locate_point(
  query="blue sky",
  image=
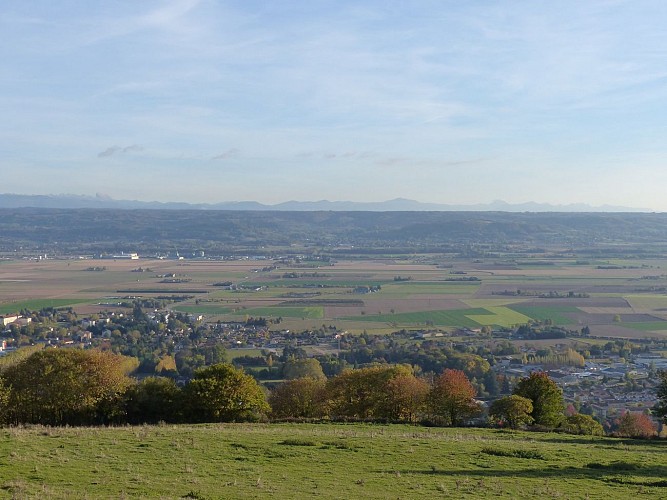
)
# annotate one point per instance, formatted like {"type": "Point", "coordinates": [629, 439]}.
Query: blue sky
{"type": "Point", "coordinates": [438, 101]}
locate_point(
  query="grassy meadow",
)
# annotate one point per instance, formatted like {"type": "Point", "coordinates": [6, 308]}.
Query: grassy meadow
{"type": "Point", "coordinates": [323, 461]}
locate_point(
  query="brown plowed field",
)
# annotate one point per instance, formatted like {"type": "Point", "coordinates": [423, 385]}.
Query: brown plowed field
{"type": "Point", "coordinates": [622, 333]}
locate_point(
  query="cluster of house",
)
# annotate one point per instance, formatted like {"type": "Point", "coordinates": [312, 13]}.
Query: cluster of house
{"type": "Point", "coordinates": [608, 389]}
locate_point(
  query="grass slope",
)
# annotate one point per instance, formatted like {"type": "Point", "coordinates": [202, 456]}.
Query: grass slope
{"type": "Point", "coordinates": [324, 461]}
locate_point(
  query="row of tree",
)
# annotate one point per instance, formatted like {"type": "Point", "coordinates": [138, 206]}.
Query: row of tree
{"type": "Point", "coordinates": [84, 387]}
{"type": "Point", "coordinates": [77, 387]}
{"type": "Point", "coordinates": [378, 393]}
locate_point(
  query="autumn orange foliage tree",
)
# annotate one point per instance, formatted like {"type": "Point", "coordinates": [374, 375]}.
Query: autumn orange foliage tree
{"type": "Point", "coordinates": [635, 425]}
{"type": "Point", "coordinates": [406, 397]}
{"type": "Point", "coordinates": [452, 398]}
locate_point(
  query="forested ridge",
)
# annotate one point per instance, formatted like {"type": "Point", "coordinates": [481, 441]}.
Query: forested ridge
{"type": "Point", "coordinates": [152, 230]}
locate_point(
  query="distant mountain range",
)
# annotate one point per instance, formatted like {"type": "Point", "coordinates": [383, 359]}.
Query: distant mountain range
{"type": "Point", "coordinates": [396, 205]}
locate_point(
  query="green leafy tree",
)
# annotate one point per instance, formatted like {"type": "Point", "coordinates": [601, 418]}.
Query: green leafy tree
{"type": "Point", "coordinates": [299, 398]}
{"type": "Point", "coordinates": [222, 393]}
{"type": "Point", "coordinates": [472, 365]}
{"type": "Point", "coordinates": [214, 354]}
{"type": "Point", "coordinates": [15, 357]}
{"type": "Point", "coordinates": [546, 396]}
{"type": "Point", "coordinates": [67, 386]}
{"type": "Point", "coordinates": [300, 368]}
{"type": "Point", "coordinates": [452, 398]}
{"type": "Point", "coordinates": [661, 407]}
{"type": "Point", "coordinates": [582, 424]}
{"type": "Point", "coordinates": [361, 394]}
{"type": "Point", "coordinates": [5, 391]}
{"type": "Point", "coordinates": [491, 383]}
{"type": "Point", "coordinates": [152, 400]}
{"type": "Point", "coordinates": [513, 411]}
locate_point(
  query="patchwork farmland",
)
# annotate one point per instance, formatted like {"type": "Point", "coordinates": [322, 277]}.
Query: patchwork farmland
{"type": "Point", "coordinates": [375, 295]}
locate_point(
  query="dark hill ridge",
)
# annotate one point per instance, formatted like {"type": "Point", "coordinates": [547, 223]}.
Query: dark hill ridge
{"type": "Point", "coordinates": [79, 230]}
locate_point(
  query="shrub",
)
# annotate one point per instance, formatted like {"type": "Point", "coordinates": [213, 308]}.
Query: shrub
{"type": "Point", "coordinates": [222, 393]}
{"type": "Point", "coordinates": [582, 424]}
{"type": "Point", "coordinates": [635, 425]}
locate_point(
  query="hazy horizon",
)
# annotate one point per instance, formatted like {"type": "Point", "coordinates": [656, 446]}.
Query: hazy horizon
{"type": "Point", "coordinates": [70, 200]}
{"type": "Point", "coordinates": [201, 101]}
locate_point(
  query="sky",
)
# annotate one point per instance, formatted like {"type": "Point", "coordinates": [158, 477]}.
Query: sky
{"type": "Point", "coordinates": [442, 101]}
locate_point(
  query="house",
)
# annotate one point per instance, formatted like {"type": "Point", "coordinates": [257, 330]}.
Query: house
{"type": "Point", "coordinates": [8, 320]}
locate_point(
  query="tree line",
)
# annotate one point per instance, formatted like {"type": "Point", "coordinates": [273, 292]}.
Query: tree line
{"type": "Point", "coordinates": [91, 387]}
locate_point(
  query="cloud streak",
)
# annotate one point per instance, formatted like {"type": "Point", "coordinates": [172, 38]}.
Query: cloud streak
{"type": "Point", "coordinates": [115, 150]}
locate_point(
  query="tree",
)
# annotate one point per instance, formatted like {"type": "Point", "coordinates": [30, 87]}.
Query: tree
{"type": "Point", "coordinates": [222, 393]}
{"type": "Point", "coordinates": [213, 354]}
{"type": "Point", "coordinates": [513, 411]}
{"type": "Point", "coordinates": [636, 425]}
{"type": "Point", "coordinates": [546, 396]}
{"type": "Point", "coordinates": [152, 400]}
{"type": "Point", "coordinates": [299, 368]}
{"type": "Point", "coordinates": [361, 394]}
{"type": "Point", "coordinates": [491, 383]}
{"type": "Point", "coordinates": [452, 398]}
{"type": "Point", "coordinates": [406, 397]}
{"type": "Point", "coordinates": [167, 364]}
{"type": "Point", "coordinates": [661, 407]}
{"type": "Point", "coordinates": [4, 400]}
{"type": "Point", "coordinates": [67, 386]}
{"type": "Point", "coordinates": [299, 398]}
{"type": "Point", "coordinates": [582, 424]}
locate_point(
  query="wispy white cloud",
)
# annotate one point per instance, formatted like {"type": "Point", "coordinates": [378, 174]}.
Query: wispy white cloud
{"type": "Point", "coordinates": [113, 150]}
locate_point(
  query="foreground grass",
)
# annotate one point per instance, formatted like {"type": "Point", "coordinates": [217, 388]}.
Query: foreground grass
{"type": "Point", "coordinates": [325, 461]}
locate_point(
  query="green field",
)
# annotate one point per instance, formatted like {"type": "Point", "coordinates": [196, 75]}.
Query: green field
{"type": "Point", "coordinates": [554, 313]}
{"type": "Point", "coordinates": [311, 312]}
{"type": "Point", "coordinates": [424, 298]}
{"type": "Point", "coordinates": [454, 317]}
{"type": "Point", "coordinates": [471, 318]}
{"type": "Point", "coordinates": [337, 461]}
{"type": "Point", "coordinates": [37, 304]}
{"type": "Point", "coordinates": [500, 316]}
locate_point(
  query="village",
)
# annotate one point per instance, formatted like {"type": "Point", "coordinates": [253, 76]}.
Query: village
{"type": "Point", "coordinates": [620, 378]}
